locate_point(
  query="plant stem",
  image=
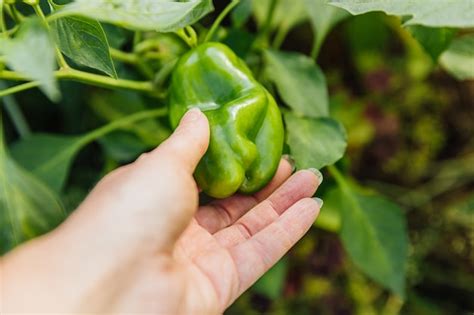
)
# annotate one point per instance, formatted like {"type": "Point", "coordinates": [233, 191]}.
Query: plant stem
{"type": "Point", "coordinates": [316, 49]}
{"type": "Point", "coordinates": [218, 21]}
{"type": "Point", "coordinates": [137, 38]}
{"type": "Point", "coordinates": [119, 123]}
{"type": "Point", "coordinates": [19, 88]}
{"type": "Point", "coordinates": [14, 14]}
{"type": "Point", "coordinates": [59, 56]}
{"type": "Point", "coordinates": [192, 34]}
{"type": "Point", "coordinates": [280, 37]}
{"type": "Point", "coordinates": [338, 177]}
{"type": "Point", "coordinates": [3, 26]}
{"type": "Point", "coordinates": [13, 110]}
{"type": "Point", "coordinates": [123, 56]}
{"type": "Point", "coordinates": [185, 37]}
{"type": "Point", "coordinates": [93, 79]}
{"type": "Point", "coordinates": [104, 81]}
{"type": "Point", "coordinates": [268, 22]}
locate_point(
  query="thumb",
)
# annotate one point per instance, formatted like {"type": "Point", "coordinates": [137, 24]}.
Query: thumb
{"type": "Point", "coordinates": [154, 196]}
{"type": "Point", "coordinates": [188, 143]}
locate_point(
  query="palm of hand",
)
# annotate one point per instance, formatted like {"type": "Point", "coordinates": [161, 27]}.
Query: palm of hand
{"type": "Point", "coordinates": [226, 247]}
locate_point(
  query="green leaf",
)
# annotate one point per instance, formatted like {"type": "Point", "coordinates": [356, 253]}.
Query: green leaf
{"type": "Point", "coordinates": [49, 157]}
{"type": "Point", "coordinates": [272, 283]}
{"type": "Point", "coordinates": [300, 82]}
{"type": "Point", "coordinates": [329, 218]}
{"type": "Point", "coordinates": [84, 41]}
{"type": "Point", "coordinates": [28, 208]}
{"type": "Point", "coordinates": [433, 40]}
{"type": "Point", "coordinates": [288, 13]}
{"type": "Point", "coordinates": [374, 233]}
{"type": "Point", "coordinates": [241, 13]}
{"type": "Point", "coordinates": [323, 18]}
{"type": "Point", "coordinates": [459, 58]}
{"type": "Point", "coordinates": [435, 13]}
{"type": "Point", "coordinates": [32, 54]}
{"type": "Point", "coordinates": [123, 146]}
{"type": "Point", "coordinates": [314, 142]}
{"type": "Point", "coordinates": [152, 15]}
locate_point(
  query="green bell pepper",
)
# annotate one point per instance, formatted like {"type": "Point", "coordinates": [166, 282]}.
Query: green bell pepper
{"type": "Point", "coordinates": [246, 127]}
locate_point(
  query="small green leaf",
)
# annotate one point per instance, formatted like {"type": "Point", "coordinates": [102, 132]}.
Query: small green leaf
{"type": "Point", "coordinates": [123, 146]}
{"type": "Point", "coordinates": [433, 40]}
{"type": "Point", "coordinates": [315, 142]}
{"type": "Point", "coordinates": [374, 234]}
{"type": "Point", "coordinates": [272, 283]}
{"type": "Point", "coordinates": [459, 58]}
{"type": "Point", "coordinates": [48, 157]}
{"type": "Point", "coordinates": [145, 15]}
{"type": "Point", "coordinates": [84, 41]}
{"type": "Point", "coordinates": [241, 13]}
{"type": "Point", "coordinates": [288, 13]}
{"type": "Point", "coordinates": [28, 208]}
{"type": "Point", "coordinates": [323, 18]}
{"type": "Point", "coordinates": [435, 13]}
{"type": "Point", "coordinates": [300, 82]}
{"type": "Point", "coordinates": [32, 54]}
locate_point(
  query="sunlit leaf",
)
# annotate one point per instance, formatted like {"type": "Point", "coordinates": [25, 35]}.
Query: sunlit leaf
{"type": "Point", "coordinates": [459, 58]}
{"type": "Point", "coordinates": [38, 66]}
{"type": "Point", "coordinates": [435, 13]}
{"type": "Point", "coordinates": [162, 15]}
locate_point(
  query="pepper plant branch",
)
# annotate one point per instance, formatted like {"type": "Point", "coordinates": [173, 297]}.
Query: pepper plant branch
{"type": "Point", "coordinates": [123, 122]}
{"type": "Point", "coordinates": [3, 26]}
{"type": "Point", "coordinates": [190, 41]}
{"type": "Point", "coordinates": [15, 114]}
{"type": "Point", "coordinates": [339, 178]}
{"type": "Point", "coordinates": [280, 37]}
{"type": "Point", "coordinates": [268, 22]}
{"type": "Point", "coordinates": [19, 88]}
{"type": "Point", "coordinates": [219, 19]}
{"type": "Point", "coordinates": [91, 78]}
{"type": "Point", "coordinates": [59, 56]}
{"type": "Point", "coordinates": [316, 48]}
{"type": "Point", "coordinates": [122, 56]}
{"type": "Point", "coordinates": [13, 13]}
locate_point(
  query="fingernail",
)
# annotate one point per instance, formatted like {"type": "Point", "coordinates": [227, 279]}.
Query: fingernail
{"type": "Point", "coordinates": [317, 173]}
{"type": "Point", "coordinates": [290, 160]}
{"type": "Point", "coordinates": [191, 115]}
{"type": "Point", "coordinates": [319, 201]}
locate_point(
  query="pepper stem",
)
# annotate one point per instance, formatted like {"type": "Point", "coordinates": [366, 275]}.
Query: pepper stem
{"type": "Point", "coordinates": [219, 19]}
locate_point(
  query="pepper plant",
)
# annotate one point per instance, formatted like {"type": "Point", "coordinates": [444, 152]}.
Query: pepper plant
{"type": "Point", "coordinates": [118, 72]}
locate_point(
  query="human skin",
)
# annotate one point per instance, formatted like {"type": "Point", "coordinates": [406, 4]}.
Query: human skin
{"type": "Point", "coordinates": [139, 243]}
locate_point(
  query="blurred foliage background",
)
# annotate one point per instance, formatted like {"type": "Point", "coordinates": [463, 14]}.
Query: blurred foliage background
{"type": "Point", "coordinates": [410, 129]}
{"type": "Point", "coordinates": [411, 137]}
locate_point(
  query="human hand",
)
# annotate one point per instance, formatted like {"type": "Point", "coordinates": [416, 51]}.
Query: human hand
{"type": "Point", "coordinates": [139, 243]}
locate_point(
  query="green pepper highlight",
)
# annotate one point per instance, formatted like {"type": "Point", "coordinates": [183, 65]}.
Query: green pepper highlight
{"type": "Point", "coordinates": [245, 122]}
